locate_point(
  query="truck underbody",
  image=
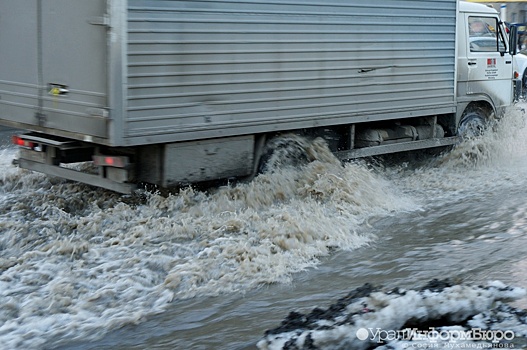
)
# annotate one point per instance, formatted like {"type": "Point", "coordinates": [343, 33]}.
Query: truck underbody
{"type": "Point", "coordinates": [122, 169]}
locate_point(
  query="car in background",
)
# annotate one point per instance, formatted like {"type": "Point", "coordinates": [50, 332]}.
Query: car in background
{"type": "Point", "coordinates": [520, 69]}
{"type": "Point", "coordinates": [520, 60]}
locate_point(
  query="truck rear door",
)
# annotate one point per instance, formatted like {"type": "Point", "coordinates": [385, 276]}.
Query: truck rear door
{"type": "Point", "coordinates": [74, 56]}
{"type": "Point", "coordinates": [19, 88]}
{"type": "Point", "coordinates": [53, 66]}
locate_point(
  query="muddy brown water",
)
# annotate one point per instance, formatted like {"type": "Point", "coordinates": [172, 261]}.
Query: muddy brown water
{"type": "Point", "coordinates": [84, 268]}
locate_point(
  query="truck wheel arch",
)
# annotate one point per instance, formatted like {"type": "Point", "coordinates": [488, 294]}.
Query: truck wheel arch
{"type": "Point", "coordinates": [475, 119]}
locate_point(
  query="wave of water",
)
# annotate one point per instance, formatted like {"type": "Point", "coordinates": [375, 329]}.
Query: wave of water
{"type": "Point", "coordinates": [495, 161]}
{"type": "Point", "coordinates": [487, 171]}
{"type": "Point", "coordinates": [77, 262]}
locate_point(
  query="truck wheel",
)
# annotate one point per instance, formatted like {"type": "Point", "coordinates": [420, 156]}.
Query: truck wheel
{"type": "Point", "coordinates": [283, 151]}
{"type": "Point", "coordinates": [473, 123]}
{"type": "Point", "coordinates": [524, 83]}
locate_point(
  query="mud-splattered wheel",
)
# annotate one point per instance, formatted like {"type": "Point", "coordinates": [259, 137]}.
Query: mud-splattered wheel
{"type": "Point", "coordinates": [473, 123]}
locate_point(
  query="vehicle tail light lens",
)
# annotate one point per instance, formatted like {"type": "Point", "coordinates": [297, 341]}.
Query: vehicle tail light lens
{"type": "Point", "coordinates": [113, 161]}
{"type": "Point", "coordinates": [516, 75]}
{"type": "Point", "coordinates": [17, 140]}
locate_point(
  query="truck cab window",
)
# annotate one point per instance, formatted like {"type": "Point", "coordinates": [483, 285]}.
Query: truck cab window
{"type": "Point", "coordinates": [483, 35]}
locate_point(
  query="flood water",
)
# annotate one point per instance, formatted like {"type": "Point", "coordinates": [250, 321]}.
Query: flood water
{"type": "Point", "coordinates": [84, 268]}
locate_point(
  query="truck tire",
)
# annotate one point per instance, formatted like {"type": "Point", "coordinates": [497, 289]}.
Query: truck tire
{"type": "Point", "coordinates": [473, 123]}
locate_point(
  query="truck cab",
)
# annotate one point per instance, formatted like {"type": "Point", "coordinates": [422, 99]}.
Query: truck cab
{"type": "Point", "coordinates": [485, 67]}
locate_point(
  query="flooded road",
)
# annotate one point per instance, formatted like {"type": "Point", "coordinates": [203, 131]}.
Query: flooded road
{"type": "Point", "coordinates": [83, 268]}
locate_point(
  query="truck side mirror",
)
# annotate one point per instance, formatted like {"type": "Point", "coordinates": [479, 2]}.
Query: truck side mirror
{"type": "Point", "coordinates": [513, 40]}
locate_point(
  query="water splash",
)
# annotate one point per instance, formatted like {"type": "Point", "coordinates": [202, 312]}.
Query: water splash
{"type": "Point", "coordinates": [505, 140]}
{"type": "Point", "coordinates": [76, 262]}
{"type": "Point", "coordinates": [497, 159]}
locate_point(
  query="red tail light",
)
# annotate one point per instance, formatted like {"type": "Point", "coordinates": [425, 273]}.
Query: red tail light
{"type": "Point", "coordinates": [17, 140]}
{"type": "Point", "coordinates": [115, 161]}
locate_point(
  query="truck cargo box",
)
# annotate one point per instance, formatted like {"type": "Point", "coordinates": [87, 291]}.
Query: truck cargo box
{"type": "Point", "coordinates": [136, 72]}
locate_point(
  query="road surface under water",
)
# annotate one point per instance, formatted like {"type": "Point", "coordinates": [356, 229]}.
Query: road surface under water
{"type": "Point", "coordinates": [83, 268]}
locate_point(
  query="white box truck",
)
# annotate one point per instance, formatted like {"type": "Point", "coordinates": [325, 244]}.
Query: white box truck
{"type": "Point", "coordinates": [169, 92]}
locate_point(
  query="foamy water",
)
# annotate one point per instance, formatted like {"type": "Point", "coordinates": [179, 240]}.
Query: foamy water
{"type": "Point", "coordinates": [496, 161]}
{"type": "Point", "coordinates": [476, 173]}
{"type": "Point", "coordinates": [77, 262]}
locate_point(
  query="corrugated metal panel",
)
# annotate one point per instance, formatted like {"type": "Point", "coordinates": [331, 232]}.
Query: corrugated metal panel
{"type": "Point", "coordinates": [19, 76]}
{"type": "Point", "coordinates": [74, 55]}
{"type": "Point", "coordinates": [195, 67]}
{"type": "Point", "coordinates": [47, 44]}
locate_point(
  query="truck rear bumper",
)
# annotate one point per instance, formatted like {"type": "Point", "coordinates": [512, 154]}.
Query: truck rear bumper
{"type": "Point", "coordinates": [74, 175]}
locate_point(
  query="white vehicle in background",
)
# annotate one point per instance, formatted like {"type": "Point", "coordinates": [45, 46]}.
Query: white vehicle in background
{"type": "Point", "coordinates": [520, 59]}
{"type": "Point", "coordinates": [520, 71]}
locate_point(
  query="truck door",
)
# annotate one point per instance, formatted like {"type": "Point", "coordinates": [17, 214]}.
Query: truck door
{"type": "Point", "coordinates": [19, 89]}
{"type": "Point", "coordinates": [73, 66]}
{"type": "Point", "coordinates": [489, 64]}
